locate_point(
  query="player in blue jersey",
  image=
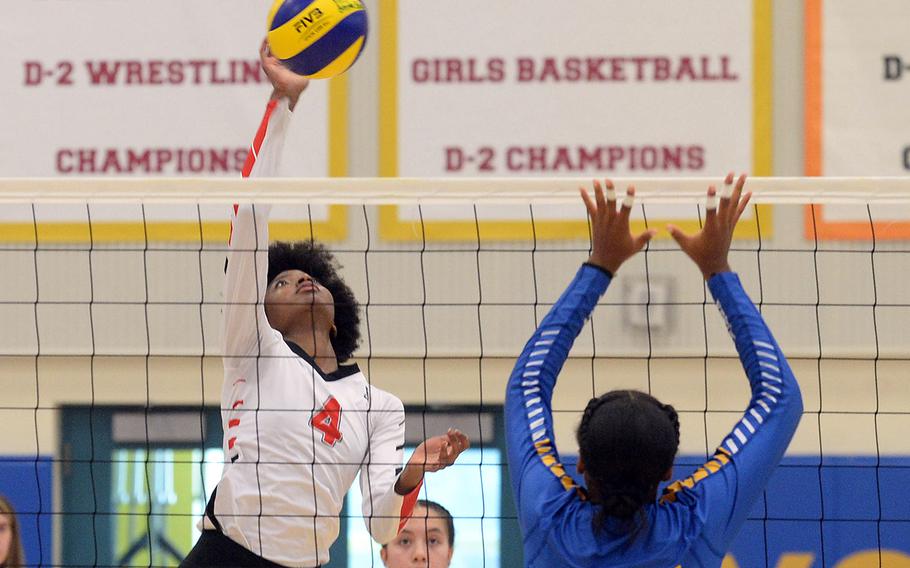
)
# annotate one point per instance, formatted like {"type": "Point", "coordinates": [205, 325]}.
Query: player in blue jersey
{"type": "Point", "coordinates": [627, 439]}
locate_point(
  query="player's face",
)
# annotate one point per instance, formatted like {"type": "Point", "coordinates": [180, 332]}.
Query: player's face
{"type": "Point", "coordinates": [423, 542]}
{"type": "Point", "coordinates": [293, 294]}
{"type": "Point", "coordinates": [6, 537]}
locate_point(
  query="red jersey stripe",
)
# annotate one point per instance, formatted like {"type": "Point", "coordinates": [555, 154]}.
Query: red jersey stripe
{"type": "Point", "coordinates": [257, 141]}
{"type": "Point", "coordinates": [254, 149]}
{"type": "Point", "coordinates": [407, 506]}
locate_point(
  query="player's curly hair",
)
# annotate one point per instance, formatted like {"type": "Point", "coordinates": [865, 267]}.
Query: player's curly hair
{"type": "Point", "coordinates": [316, 260]}
{"type": "Point", "coordinates": [628, 441]}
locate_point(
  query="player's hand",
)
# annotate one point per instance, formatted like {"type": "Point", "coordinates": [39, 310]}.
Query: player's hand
{"type": "Point", "coordinates": [709, 247]}
{"type": "Point", "coordinates": [433, 454]}
{"type": "Point", "coordinates": [613, 242]}
{"type": "Point", "coordinates": [439, 452]}
{"type": "Point", "coordinates": [285, 82]}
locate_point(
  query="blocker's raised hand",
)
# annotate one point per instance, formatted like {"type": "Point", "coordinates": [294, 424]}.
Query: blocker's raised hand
{"type": "Point", "coordinates": [709, 247]}
{"type": "Point", "coordinates": [613, 242]}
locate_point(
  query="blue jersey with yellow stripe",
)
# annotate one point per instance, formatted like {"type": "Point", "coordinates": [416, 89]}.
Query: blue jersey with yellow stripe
{"type": "Point", "coordinates": [696, 520]}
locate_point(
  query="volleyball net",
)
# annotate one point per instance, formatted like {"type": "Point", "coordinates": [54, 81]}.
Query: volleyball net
{"type": "Point", "coordinates": [110, 348]}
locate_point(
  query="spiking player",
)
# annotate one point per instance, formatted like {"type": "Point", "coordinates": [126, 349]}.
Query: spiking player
{"type": "Point", "coordinates": [298, 425]}
{"type": "Point", "coordinates": [627, 439]}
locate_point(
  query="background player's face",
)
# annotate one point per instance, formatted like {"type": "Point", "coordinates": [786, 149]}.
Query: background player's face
{"type": "Point", "coordinates": [6, 537]}
{"type": "Point", "coordinates": [424, 542]}
{"type": "Point", "coordinates": [293, 295]}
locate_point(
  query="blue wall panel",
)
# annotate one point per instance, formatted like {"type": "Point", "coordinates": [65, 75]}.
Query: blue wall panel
{"type": "Point", "coordinates": [27, 483]}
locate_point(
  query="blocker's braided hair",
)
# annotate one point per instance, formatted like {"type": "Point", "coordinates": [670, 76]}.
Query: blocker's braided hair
{"type": "Point", "coordinates": [628, 441]}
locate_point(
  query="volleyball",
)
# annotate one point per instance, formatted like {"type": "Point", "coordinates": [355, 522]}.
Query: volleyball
{"type": "Point", "coordinates": [317, 38]}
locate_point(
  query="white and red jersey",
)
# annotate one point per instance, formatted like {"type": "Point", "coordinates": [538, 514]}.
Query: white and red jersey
{"type": "Point", "coordinates": [295, 437]}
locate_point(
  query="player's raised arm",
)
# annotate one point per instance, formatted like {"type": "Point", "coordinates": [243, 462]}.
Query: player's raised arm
{"type": "Point", "coordinates": [746, 458]}
{"type": "Point", "coordinates": [247, 267]}
{"type": "Point", "coordinates": [536, 472]}
{"type": "Point", "coordinates": [265, 153]}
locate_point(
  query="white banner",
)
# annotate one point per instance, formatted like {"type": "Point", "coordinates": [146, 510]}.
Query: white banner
{"type": "Point", "coordinates": [866, 82]}
{"type": "Point", "coordinates": [857, 117]}
{"type": "Point", "coordinates": [138, 88]}
{"type": "Point", "coordinates": [127, 87]}
{"type": "Point", "coordinates": [595, 88]}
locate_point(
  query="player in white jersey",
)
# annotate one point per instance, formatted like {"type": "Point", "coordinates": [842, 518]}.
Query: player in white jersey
{"type": "Point", "coordinates": [299, 426]}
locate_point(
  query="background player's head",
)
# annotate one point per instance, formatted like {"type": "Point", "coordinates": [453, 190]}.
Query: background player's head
{"type": "Point", "coordinates": [10, 541]}
{"type": "Point", "coordinates": [305, 289]}
{"type": "Point", "coordinates": [426, 540]}
{"type": "Point", "coordinates": [627, 442]}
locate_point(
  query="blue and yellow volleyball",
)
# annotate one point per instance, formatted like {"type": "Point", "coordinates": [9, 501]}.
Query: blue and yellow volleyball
{"type": "Point", "coordinates": [317, 38]}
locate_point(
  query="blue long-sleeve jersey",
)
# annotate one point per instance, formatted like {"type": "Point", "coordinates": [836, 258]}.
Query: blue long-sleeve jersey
{"type": "Point", "coordinates": [695, 521]}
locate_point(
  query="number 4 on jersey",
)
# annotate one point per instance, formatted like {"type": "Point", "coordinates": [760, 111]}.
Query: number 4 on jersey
{"type": "Point", "coordinates": [328, 421]}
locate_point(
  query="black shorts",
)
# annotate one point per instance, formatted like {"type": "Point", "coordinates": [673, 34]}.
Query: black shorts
{"type": "Point", "coordinates": [214, 550]}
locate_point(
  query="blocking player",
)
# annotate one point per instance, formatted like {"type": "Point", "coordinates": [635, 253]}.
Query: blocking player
{"type": "Point", "coordinates": [627, 439]}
